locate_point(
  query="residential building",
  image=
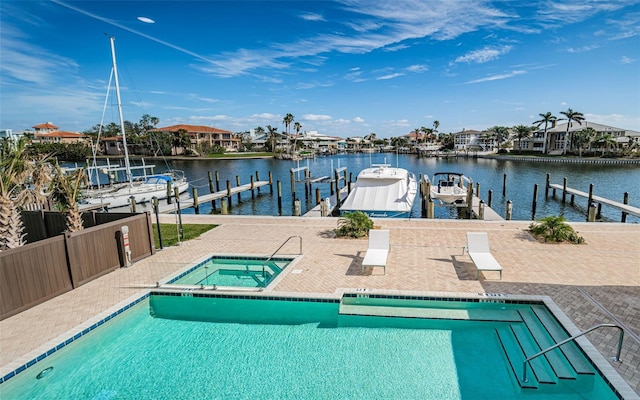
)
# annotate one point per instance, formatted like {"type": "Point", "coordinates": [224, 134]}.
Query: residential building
{"type": "Point", "coordinates": [556, 135]}
{"type": "Point", "coordinates": [49, 133]}
{"type": "Point", "coordinates": [472, 140]}
{"type": "Point", "coordinates": [205, 136]}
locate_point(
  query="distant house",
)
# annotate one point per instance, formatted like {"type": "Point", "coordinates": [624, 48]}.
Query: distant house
{"type": "Point", "coordinates": [556, 134]}
{"type": "Point", "coordinates": [49, 133]}
{"type": "Point", "coordinates": [205, 136]}
{"type": "Point", "coordinates": [112, 146]}
{"type": "Point", "coordinates": [472, 140]}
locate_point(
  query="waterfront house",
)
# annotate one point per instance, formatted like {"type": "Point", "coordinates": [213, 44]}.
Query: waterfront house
{"type": "Point", "coordinates": [49, 133]}
{"type": "Point", "coordinates": [472, 140]}
{"type": "Point", "coordinates": [205, 137]}
{"type": "Point", "coordinates": [557, 132]}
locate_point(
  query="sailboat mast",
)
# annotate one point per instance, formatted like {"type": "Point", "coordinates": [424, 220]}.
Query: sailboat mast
{"type": "Point", "coordinates": [124, 137]}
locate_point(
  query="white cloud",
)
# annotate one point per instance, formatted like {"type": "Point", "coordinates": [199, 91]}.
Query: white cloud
{"type": "Point", "coordinates": [312, 17]}
{"type": "Point", "coordinates": [358, 120]}
{"type": "Point", "coordinates": [389, 76]}
{"type": "Point", "coordinates": [316, 117]}
{"type": "Point", "coordinates": [417, 68]}
{"type": "Point", "coordinates": [627, 60]}
{"type": "Point", "coordinates": [483, 55]}
{"type": "Point", "coordinates": [499, 76]}
{"type": "Point", "coordinates": [582, 49]}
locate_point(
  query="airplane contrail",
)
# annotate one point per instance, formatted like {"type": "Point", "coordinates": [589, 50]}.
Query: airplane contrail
{"type": "Point", "coordinates": [116, 24]}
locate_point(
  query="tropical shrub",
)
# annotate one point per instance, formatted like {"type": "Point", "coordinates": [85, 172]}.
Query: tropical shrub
{"type": "Point", "coordinates": [554, 229]}
{"type": "Point", "coordinates": [354, 224]}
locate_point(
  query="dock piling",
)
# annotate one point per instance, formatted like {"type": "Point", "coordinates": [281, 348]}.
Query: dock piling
{"type": "Point", "coordinates": [213, 202]}
{"type": "Point", "coordinates": [564, 190]}
{"type": "Point", "coordinates": [217, 181]}
{"type": "Point", "coordinates": [504, 185]}
{"type": "Point", "coordinates": [176, 192]}
{"type": "Point", "coordinates": [489, 198]}
{"type": "Point", "coordinates": [481, 210]}
{"type": "Point", "coordinates": [156, 210]}
{"type": "Point", "coordinates": [253, 195]}
{"type": "Point", "coordinates": [238, 184]}
{"type": "Point", "coordinates": [546, 186]}
{"type": "Point", "coordinates": [318, 196]}
{"type": "Point", "coordinates": [132, 203]}
{"type": "Point", "coordinates": [509, 210]}
{"type": "Point", "coordinates": [535, 202]}
{"type": "Point", "coordinates": [229, 193]}
{"type": "Point", "coordinates": [168, 192]}
{"type": "Point", "coordinates": [279, 186]}
{"type": "Point", "coordinates": [196, 204]}
{"type": "Point", "coordinates": [625, 201]}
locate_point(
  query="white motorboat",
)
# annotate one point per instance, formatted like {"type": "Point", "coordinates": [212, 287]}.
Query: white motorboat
{"type": "Point", "coordinates": [143, 189]}
{"type": "Point", "coordinates": [382, 191]}
{"type": "Point", "coordinates": [449, 187]}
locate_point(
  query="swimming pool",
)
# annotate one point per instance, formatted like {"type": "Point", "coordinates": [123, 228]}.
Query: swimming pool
{"type": "Point", "coordinates": [245, 271]}
{"type": "Point", "coordinates": [194, 344]}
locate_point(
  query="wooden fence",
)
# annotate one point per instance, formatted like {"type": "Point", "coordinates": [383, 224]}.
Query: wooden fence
{"type": "Point", "coordinates": [39, 271]}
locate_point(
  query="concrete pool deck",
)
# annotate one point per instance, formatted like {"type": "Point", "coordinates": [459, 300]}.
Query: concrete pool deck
{"type": "Point", "coordinates": [598, 282]}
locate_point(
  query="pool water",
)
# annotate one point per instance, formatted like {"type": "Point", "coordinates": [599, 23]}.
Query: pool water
{"type": "Point", "coordinates": [219, 347]}
{"type": "Point", "coordinates": [233, 271]}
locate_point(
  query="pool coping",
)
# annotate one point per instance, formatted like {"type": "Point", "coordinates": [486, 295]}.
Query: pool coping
{"type": "Point", "coordinates": [611, 377]}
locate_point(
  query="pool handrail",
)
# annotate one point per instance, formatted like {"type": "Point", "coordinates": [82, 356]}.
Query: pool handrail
{"type": "Point", "coordinates": [616, 358]}
{"type": "Point", "coordinates": [278, 249]}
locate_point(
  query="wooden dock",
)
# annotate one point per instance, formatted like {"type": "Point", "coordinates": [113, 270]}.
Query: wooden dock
{"type": "Point", "coordinates": [626, 208]}
{"type": "Point", "coordinates": [165, 208]}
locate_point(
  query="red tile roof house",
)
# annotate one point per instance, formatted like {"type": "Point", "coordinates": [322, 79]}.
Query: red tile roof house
{"type": "Point", "coordinates": [203, 137]}
{"type": "Point", "coordinates": [49, 133]}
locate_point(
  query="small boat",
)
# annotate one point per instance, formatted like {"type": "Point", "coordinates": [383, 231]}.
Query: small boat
{"type": "Point", "coordinates": [143, 190]}
{"type": "Point", "coordinates": [449, 187]}
{"type": "Point", "coordinates": [382, 191]}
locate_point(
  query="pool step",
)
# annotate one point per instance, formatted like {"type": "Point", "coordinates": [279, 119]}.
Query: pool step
{"type": "Point", "coordinates": [431, 313]}
{"type": "Point", "coordinates": [515, 357]}
{"type": "Point", "coordinates": [570, 350]}
{"type": "Point", "coordinates": [556, 359]}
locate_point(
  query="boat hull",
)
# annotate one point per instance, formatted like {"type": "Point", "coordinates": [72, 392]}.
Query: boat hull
{"type": "Point", "coordinates": [381, 214]}
{"type": "Point", "coordinates": [142, 194]}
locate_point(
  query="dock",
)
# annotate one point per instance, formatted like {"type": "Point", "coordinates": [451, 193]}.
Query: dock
{"type": "Point", "coordinates": [626, 208]}
{"type": "Point", "coordinates": [164, 208]}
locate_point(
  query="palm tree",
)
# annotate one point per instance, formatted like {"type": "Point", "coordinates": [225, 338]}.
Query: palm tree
{"type": "Point", "coordinates": [500, 134]}
{"type": "Point", "coordinates": [287, 120]}
{"type": "Point", "coordinates": [571, 116]}
{"type": "Point", "coordinates": [606, 141]}
{"type": "Point", "coordinates": [297, 126]}
{"type": "Point", "coordinates": [583, 138]}
{"type": "Point", "coordinates": [180, 139]}
{"type": "Point", "coordinates": [545, 119]}
{"type": "Point", "coordinates": [522, 132]}
{"type": "Point", "coordinates": [273, 134]}
{"type": "Point", "coordinates": [66, 193]}
{"type": "Point", "coordinates": [15, 169]}
{"type": "Point", "coordinates": [436, 125]}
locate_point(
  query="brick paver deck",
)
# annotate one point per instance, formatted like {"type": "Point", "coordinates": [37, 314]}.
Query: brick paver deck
{"type": "Point", "coordinates": [592, 283]}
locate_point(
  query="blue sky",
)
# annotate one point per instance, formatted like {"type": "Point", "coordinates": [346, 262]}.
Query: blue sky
{"type": "Point", "coordinates": [343, 68]}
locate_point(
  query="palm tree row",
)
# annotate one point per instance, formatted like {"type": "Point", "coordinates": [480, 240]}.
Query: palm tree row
{"type": "Point", "coordinates": [25, 180]}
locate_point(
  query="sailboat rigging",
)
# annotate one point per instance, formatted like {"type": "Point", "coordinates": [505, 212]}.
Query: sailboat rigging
{"type": "Point", "coordinates": [158, 185]}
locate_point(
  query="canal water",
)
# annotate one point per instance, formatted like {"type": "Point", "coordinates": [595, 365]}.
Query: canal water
{"type": "Point", "coordinates": [610, 181]}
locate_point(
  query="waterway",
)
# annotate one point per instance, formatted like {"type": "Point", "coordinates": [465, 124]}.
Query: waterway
{"type": "Point", "coordinates": [610, 181]}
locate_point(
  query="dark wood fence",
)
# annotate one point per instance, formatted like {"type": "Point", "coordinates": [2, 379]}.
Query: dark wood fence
{"type": "Point", "coordinates": [39, 271]}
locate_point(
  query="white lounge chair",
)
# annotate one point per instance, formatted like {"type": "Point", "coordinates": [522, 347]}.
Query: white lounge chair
{"type": "Point", "coordinates": [478, 249]}
{"type": "Point", "coordinates": [378, 250]}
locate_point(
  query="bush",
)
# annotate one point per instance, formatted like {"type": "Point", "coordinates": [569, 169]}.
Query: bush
{"type": "Point", "coordinates": [355, 224]}
{"type": "Point", "coordinates": [555, 229]}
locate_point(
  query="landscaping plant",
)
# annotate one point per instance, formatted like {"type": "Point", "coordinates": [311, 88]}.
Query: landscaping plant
{"type": "Point", "coordinates": [354, 224]}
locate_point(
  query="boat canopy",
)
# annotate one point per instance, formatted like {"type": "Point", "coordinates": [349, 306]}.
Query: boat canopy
{"type": "Point", "coordinates": [384, 192]}
{"type": "Point", "coordinates": [158, 179]}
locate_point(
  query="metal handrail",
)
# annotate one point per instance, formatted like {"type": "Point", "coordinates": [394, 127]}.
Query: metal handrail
{"type": "Point", "coordinates": [278, 249]}
{"type": "Point", "coordinates": [572, 338]}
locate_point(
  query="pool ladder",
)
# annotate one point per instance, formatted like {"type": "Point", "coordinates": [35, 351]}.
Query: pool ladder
{"type": "Point", "coordinates": [278, 249]}
{"type": "Point", "coordinates": [572, 338]}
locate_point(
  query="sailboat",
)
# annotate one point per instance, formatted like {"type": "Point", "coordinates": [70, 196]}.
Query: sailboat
{"type": "Point", "coordinates": [158, 185]}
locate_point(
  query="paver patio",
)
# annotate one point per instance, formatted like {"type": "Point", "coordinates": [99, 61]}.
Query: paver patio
{"type": "Point", "coordinates": [592, 283]}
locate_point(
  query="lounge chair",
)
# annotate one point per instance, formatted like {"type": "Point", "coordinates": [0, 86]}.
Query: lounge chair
{"type": "Point", "coordinates": [478, 249]}
{"type": "Point", "coordinates": [378, 250]}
